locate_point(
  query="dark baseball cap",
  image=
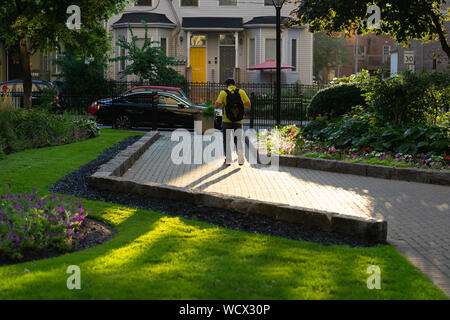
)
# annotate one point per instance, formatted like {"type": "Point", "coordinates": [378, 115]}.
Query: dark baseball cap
{"type": "Point", "coordinates": [230, 82]}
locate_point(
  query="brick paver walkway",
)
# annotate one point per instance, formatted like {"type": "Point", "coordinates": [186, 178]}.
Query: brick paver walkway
{"type": "Point", "coordinates": [418, 214]}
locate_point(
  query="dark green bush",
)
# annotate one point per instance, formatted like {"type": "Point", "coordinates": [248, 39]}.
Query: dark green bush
{"type": "Point", "coordinates": [335, 100]}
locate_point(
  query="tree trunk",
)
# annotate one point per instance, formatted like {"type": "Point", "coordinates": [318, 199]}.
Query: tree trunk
{"type": "Point", "coordinates": [25, 61]}
{"type": "Point", "coordinates": [441, 34]}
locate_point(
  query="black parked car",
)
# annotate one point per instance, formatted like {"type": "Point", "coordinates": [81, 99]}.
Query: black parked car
{"type": "Point", "coordinates": [13, 90]}
{"type": "Point", "coordinates": [135, 110]}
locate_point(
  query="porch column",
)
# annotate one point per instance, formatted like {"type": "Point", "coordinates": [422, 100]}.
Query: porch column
{"type": "Point", "coordinates": [236, 47]}
{"type": "Point", "coordinates": [188, 54]}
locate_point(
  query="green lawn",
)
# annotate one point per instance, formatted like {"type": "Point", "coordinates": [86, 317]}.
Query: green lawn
{"type": "Point", "coordinates": [160, 257]}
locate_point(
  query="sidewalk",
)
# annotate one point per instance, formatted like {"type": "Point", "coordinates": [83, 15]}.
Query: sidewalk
{"type": "Point", "coordinates": [418, 214]}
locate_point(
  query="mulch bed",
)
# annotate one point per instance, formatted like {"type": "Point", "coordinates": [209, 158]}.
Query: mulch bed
{"type": "Point", "coordinates": [92, 233]}
{"type": "Point", "coordinates": [76, 184]}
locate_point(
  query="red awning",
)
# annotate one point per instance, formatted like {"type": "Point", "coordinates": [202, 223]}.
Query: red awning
{"type": "Point", "coordinates": [270, 64]}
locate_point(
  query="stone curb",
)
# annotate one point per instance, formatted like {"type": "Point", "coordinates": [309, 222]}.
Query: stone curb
{"type": "Point", "coordinates": [364, 169]}
{"type": "Point", "coordinates": [369, 229]}
{"type": "Point", "coordinates": [126, 158]}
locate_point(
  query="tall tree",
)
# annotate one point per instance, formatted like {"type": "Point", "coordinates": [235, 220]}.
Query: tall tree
{"type": "Point", "coordinates": [329, 52]}
{"type": "Point", "coordinates": [402, 19]}
{"type": "Point", "coordinates": [30, 26]}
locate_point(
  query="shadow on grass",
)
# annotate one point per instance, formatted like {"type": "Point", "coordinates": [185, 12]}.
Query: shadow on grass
{"type": "Point", "coordinates": [159, 257]}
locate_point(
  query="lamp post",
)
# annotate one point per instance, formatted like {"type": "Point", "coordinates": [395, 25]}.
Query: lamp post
{"type": "Point", "coordinates": [278, 4]}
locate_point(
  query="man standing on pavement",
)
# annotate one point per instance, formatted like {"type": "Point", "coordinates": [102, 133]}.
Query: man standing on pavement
{"type": "Point", "coordinates": [233, 102]}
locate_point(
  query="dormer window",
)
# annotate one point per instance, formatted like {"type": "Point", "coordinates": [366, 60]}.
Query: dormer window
{"type": "Point", "coordinates": [227, 2]}
{"type": "Point", "coordinates": [147, 3]}
{"type": "Point", "coordinates": [189, 3]}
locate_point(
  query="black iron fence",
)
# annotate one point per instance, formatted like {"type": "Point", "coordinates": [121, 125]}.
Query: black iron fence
{"type": "Point", "coordinates": [295, 98]}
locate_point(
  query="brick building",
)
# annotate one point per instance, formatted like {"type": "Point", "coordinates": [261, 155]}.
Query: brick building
{"type": "Point", "coordinates": [373, 54]}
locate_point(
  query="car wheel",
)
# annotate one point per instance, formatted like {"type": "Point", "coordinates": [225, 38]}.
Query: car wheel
{"type": "Point", "coordinates": [122, 122]}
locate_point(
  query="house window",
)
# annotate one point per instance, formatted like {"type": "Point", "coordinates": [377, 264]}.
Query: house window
{"type": "Point", "coordinates": [189, 3]}
{"type": "Point", "coordinates": [294, 54]}
{"type": "Point", "coordinates": [144, 3]}
{"type": "Point", "coordinates": [46, 62]}
{"type": "Point", "coordinates": [386, 50]}
{"type": "Point", "coordinates": [55, 68]}
{"type": "Point", "coordinates": [434, 64]}
{"type": "Point", "coordinates": [361, 51]}
{"type": "Point", "coordinates": [226, 39]}
{"type": "Point", "coordinates": [251, 52]}
{"type": "Point", "coordinates": [140, 43]}
{"type": "Point", "coordinates": [198, 41]}
{"type": "Point", "coordinates": [268, 2]}
{"type": "Point", "coordinates": [122, 62]}
{"type": "Point", "coordinates": [271, 49]}
{"type": "Point", "coordinates": [163, 44]}
{"type": "Point", "coordinates": [227, 2]}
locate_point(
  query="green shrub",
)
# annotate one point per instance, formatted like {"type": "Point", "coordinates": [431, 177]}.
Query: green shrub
{"type": "Point", "coordinates": [47, 97]}
{"type": "Point", "coordinates": [83, 83]}
{"type": "Point", "coordinates": [23, 129]}
{"type": "Point", "coordinates": [409, 97]}
{"type": "Point", "coordinates": [360, 130]}
{"type": "Point", "coordinates": [335, 100]}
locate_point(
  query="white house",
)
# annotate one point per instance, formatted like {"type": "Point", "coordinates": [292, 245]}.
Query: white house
{"type": "Point", "coordinates": [217, 39]}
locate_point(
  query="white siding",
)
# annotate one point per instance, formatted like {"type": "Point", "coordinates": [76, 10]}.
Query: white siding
{"type": "Point", "coordinates": [306, 57]}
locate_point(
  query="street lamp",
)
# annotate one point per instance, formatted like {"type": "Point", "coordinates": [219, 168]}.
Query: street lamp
{"type": "Point", "coordinates": [278, 4]}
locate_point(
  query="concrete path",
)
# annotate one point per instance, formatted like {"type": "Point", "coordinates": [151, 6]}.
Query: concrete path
{"type": "Point", "coordinates": [418, 214]}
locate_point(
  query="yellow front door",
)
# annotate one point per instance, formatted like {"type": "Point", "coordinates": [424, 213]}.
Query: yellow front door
{"type": "Point", "coordinates": [198, 64]}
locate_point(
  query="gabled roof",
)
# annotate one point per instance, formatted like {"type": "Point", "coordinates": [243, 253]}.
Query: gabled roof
{"type": "Point", "coordinates": [212, 23]}
{"type": "Point", "coordinates": [148, 17]}
{"type": "Point", "coordinates": [268, 20]}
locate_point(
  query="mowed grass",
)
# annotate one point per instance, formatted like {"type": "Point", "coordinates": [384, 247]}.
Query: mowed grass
{"type": "Point", "coordinates": [155, 256]}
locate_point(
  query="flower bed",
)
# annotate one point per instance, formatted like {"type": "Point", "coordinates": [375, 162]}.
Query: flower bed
{"type": "Point", "coordinates": [30, 224]}
{"type": "Point", "coordinates": [290, 141]}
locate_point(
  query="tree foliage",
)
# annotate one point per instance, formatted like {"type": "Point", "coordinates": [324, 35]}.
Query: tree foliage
{"type": "Point", "coordinates": [30, 26]}
{"type": "Point", "coordinates": [148, 61]}
{"type": "Point", "coordinates": [329, 52]}
{"type": "Point", "coordinates": [83, 82]}
{"type": "Point", "coordinates": [402, 19]}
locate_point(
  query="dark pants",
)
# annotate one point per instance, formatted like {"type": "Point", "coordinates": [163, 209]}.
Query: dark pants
{"type": "Point", "coordinates": [230, 132]}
